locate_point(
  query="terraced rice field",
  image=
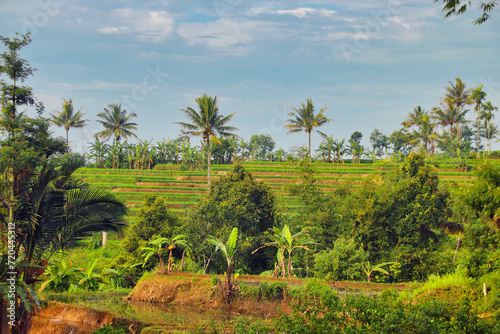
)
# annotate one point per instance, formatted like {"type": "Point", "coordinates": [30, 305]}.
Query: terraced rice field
{"type": "Point", "coordinates": [182, 189]}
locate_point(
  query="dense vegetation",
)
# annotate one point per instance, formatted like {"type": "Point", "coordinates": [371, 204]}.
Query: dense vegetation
{"type": "Point", "coordinates": [392, 222]}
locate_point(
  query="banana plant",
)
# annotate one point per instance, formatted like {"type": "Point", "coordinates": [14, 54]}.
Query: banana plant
{"type": "Point", "coordinates": [285, 241]}
{"type": "Point", "coordinates": [59, 276]}
{"type": "Point", "coordinates": [90, 280]}
{"type": "Point", "coordinates": [228, 250]}
{"type": "Point", "coordinates": [369, 269]}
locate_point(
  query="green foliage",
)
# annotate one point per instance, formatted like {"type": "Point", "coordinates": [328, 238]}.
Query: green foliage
{"type": "Point", "coordinates": [59, 276]}
{"type": "Point", "coordinates": [234, 200]}
{"type": "Point", "coordinates": [110, 329]}
{"type": "Point", "coordinates": [152, 219]}
{"type": "Point", "coordinates": [457, 279]}
{"type": "Point", "coordinates": [343, 262]}
{"type": "Point", "coordinates": [319, 310]}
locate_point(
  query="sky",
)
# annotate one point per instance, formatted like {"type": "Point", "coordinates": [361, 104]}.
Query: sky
{"type": "Point", "coordinates": [369, 62]}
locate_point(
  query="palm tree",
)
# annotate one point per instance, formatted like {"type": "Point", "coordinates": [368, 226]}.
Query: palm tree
{"type": "Point", "coordinates": [116, 123]}
{"type": "Point", "coordinates": [487, 115]}
{"type": "Point", "coordinates": [415, 117]}
{"type": "Point", "coordinates": [426, 134]}
{"type": "Point", "coordinates": [67, 118]}
{"type": "Point", "coordinates": [304, 120]}
{"type": "Point", "coordinates": [460, 97]}
{"type": "Point", "coordinates": [478, 95]}
{"type": "Point", "coordinates": [449, 114]}
{"type": "Point", "coordinates": [207, 122]}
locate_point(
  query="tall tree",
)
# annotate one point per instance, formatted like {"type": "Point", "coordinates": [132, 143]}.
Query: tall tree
{"type": "Point", "coordinates": [477, 96]}
{"type": "Point", "coordinates": [415, 117]}
{"type": "Point", "coordinates": [426, 134]}
{"type": "Point", "coordinates": [207, 122]}
{"type": "Point", "coordinates": [67, 118]}
{"type": "Point", "coordinates": [304, 119]}
{"type": "Point", "coordinates": [487, 115]}
{"type": "Point", "coordinates": [449, 114]}
{"type": "Point", "coordinates": [116, 123]}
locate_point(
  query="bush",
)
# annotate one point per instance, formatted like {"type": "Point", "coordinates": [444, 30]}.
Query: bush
{"type": "Point", "coordinates": [343, 262]}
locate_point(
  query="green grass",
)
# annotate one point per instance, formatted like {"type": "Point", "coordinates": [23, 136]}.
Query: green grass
{"type": "Point", "coordinates": [183, 189]}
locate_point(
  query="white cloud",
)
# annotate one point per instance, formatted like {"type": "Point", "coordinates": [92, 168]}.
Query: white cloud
{"type": "Point", "coordinates": [300, 12]}
{"type": "Point", "coordinates": [224, 35]}
{"type": "Point", "coordinates": [153, 26]}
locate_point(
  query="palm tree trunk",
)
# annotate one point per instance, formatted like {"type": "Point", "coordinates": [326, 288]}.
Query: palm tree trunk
{"type": "Point", "coordinates": [104, 239]}
{"type": "Point", "coordinates": [208, 160]}
{"type": "Point", "coordinates": [309, 132]}
{"type": "Point", "coordinates": [67, 139]}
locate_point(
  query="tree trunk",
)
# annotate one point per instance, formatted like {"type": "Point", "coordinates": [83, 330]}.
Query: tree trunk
{"type": "Point", "coordinates": [208, 160]}
{"type": "Point", "coordinates": [104, 239]}
{"type": "Point", "coordinates": [309, 132]}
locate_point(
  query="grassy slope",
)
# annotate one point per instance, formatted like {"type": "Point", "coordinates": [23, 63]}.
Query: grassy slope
{"type": "Point", "coordinates": [182, 189]}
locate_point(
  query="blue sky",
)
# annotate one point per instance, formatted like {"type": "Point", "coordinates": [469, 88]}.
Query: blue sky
{"type": "Point", "coordinates": [370, 62]}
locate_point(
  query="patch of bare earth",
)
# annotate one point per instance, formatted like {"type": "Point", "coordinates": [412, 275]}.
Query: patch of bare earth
{"type": "Point", "coordinates": [59, 318]}
{"type": "Point", "coordinates": [197, 291]}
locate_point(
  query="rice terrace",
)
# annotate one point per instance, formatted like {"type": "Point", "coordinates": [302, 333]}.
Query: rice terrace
{"type": "Point", "coordinates": [345, 178]}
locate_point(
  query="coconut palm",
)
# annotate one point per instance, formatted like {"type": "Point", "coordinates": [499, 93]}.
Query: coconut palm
{"type": "Point", "coordinates": [477, 96]}
{"type": "Point", "coordinates": [415, 117]}
{"type": "Point", "coordinates": [487, 115]}
{"type": "Point", "coordinates": [116, 123]}
{"type": "Point", "coordinates": [449, 114]}
{"type": "Point", "coordinates": [67, 118]}
{"type": "Point", "coordinates": [426, 134]}
{"type": "Point", "coordinates": [207, 122]}
{"type": "Point", "coordinates": [304, 119]}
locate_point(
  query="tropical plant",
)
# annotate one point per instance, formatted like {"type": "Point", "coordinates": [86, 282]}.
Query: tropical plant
{"type": "Point", "coordinates": [477, 96]}
{"type": "Point", "coordinates": [90, 280]}
{"type": "Point", "coordinates": [57, 210]}
{"type": "Point", "coordinates": [369, 269]}
{"type": "Point", "coordinates": [426, 134]}
{"type": "Point", "coordinates": [449, 114]}
{"type": "Point", "coordinates": [67, 118]}
{"type": "Point", "coordinates": [98, 152]}
{"type": "Point", "coordinates": [59, 275]}
{"type": "Point", "coordinates": [304, 119]}
{"type": "Point", "coordinates": [207, 122]}
{"type": "Point", "coordinates": [228, 249]}
{"type": "Point", "coordinates": [287, 242]}
{"type": "Point", "coordinates": [415, 117]}
{"type": "Point", "coordinates": [116, 123]}
{"type": "Point", "coordinates": [487, 115]}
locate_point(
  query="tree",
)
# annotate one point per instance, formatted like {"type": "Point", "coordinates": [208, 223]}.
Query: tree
{"type": "Point", "coordinates": [477, 96]}
{"type": "Point", "coordinates": [228, 250]}
{"type": "Point", "coordinates": [426, 134]}
{"type": "Point", "coordinates": [459, 7]}
{"type": "Point", "coordinates": [207, 123]}
{"type": "Point", "coordinates": [68, 119]}
{"type": "Point", "coordinates": [234, 200]}
{"type": "Point", "coordinates": [287, 242]}
{"type": "Point", "coordinates": [116, 123]}
{"type": "Point", "coordinates": [17, 71]}
{"type": "Point", "coordinates": [161, 244]}
{"type": "Point", "coordinates": [448, 114]}
{"type": "Point", "coordinates": [305, 120]}
{"type": "Point", "coordinates": [415, 117]}
{"type": "Point", "coordinates": [487, 115]}
{"type": "Point", "coordinates": [263, 144]}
